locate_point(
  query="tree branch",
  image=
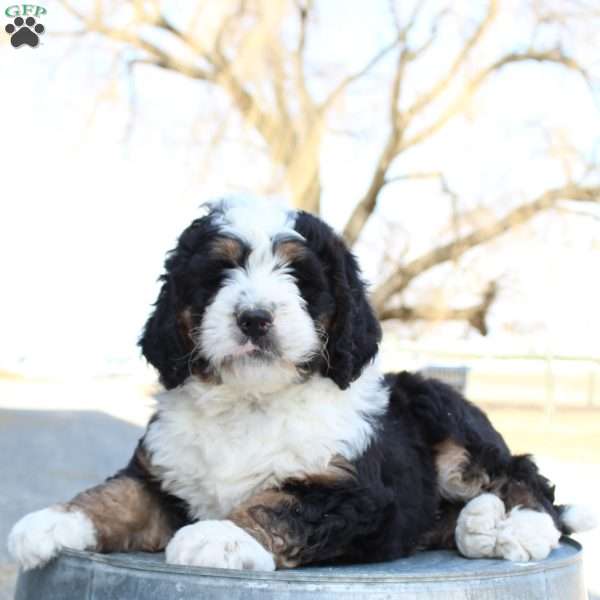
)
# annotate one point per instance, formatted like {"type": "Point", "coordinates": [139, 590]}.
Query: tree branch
{"type": "Point", "coordinates": [400, 278]}
{"type": "Point", "coordinates": [397, 142]}
{"type": "Point", "coordinates": [474, 315]}
{"type": "Point", "coordinates": [444, 185]}
{"type": "Point", "coordinates": [399, 120]}
{"type": "Point", "coordinates": [278, 83]}
{"type": "Point", "coordinates": [433, 33]}
{"type": "Point", "coordinates": [405, 56]}
{"type": "Point", "coordinates": [306, 101]}
{"type": "Point", "coordinates": [443, 83]}
{"type": "Point", "coordinates": [219, 46]}
{"type": "Point", "coordinates": [366, 205]}
{"type": "Point", "coordinates": [475, 83]}
{"type": "Point", "coordinates": [268, 126]}
{"type": "Point", "coordinates": [344, 83]}
{"type": "Point", "coordinates": [161, 58]}
{"type": "Point", "coordinates": [438, 175]}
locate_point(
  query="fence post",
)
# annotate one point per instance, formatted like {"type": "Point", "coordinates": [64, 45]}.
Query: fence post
{"type": "Point", "coordinates": [550, 407]}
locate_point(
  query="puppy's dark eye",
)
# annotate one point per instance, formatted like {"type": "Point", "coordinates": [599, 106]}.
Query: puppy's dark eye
{"type": "Point", "coordinates": [201, 278]}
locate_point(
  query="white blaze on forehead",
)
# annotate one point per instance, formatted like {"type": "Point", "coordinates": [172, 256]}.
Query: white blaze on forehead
{"type": "Point", "coordinates": [255, 220]}
{"type": "Point", "coordinates": [264, 281]}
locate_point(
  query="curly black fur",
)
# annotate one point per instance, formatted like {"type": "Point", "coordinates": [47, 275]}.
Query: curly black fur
{"type": "Point", "coordinates": [334, 289]}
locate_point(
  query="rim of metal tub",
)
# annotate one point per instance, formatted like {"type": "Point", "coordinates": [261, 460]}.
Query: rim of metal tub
{"type": "Point", "coordinates": [404, 570]}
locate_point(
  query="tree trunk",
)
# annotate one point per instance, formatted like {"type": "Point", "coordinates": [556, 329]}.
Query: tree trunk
{"type": "Point", "coordinates": [309, 198]}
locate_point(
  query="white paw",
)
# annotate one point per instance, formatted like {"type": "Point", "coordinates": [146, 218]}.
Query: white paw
{"type": "Point", "coordinates": [39, 536]}
{"type": "Point", "coordinates": [477, 526]}
{"type": "Point", "coordinates": [484, 530]}
{"type": "Point", "coordinates": [220, 544]}
{"type": "Point", "coordinates": [526, 535]}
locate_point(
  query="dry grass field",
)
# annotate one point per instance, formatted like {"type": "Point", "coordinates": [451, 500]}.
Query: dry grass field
{"type": "Point", "coordinates": [571, 434]}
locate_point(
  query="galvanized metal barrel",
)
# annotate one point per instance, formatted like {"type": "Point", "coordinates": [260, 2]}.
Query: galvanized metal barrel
{"type": "Point", "coordinates": [425, 576]}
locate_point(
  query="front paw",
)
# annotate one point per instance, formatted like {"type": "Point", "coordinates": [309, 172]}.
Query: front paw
{"type": "Point", "coordinates": [39, 536]}
{"type": "Point", "coordinates": [527, 535]}
{"type": "Point", "coordinates": [484, 530]}
{"type": "Point", "coordinates": [477, 526]}
{"type": "Point", "coordinates": [220, 544]}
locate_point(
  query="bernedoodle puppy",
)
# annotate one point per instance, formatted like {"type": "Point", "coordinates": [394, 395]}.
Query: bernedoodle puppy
{"type": "Point", "coordinates": [277, 441]}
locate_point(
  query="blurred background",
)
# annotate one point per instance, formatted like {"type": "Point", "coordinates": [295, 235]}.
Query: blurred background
{"type": "Point", "coordinates": [455, 144]}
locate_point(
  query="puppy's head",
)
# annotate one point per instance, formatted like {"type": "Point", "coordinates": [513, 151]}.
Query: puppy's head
{"type": "Point", "coordinates": [260, 296]}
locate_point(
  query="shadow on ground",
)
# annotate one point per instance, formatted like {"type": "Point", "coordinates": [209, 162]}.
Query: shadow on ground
{"type": "Point", "coordinates": [49, 456]}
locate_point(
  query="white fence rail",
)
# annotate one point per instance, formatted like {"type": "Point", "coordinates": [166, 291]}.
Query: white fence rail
{"type": "Point", "coordinates": [547, 380]}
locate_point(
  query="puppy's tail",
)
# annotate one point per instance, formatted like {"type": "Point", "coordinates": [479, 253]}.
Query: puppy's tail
{"type": "Point", "coordinates": [575, 518]}
{"type": "Point", "coordinates": [569, 518]}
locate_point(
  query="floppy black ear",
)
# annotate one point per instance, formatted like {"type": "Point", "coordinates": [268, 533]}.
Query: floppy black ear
{"type": "Point", "coordinates": [354, 332]}
{"type": "Point", "coordinates": [163, 341]}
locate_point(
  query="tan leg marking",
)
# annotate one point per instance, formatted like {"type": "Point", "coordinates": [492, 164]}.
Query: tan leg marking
{"type": "Point", "coordinates": [126, 514]}
{"type": "Point", "coordinates": [270, 516]}
{"type": "Point", "coordinates": [263, 517]}
{"type": "Point", "coordinates": [455, 480]}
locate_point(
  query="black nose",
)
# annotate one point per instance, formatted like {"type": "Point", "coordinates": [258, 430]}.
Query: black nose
{"type": "Point", "coordinates": [255, 323]}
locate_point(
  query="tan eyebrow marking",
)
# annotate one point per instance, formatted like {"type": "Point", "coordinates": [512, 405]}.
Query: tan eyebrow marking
{"type": "Point", "coordinates": [290, 250]}
{"type": "Point", "coordinates": [227, 248]}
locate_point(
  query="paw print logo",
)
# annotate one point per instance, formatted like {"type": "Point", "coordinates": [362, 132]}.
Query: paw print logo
{"type": "Point", "coordinates": [24, 32]}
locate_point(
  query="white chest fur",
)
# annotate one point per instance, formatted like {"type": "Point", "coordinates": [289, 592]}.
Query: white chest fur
{"type": "Point", "coordinates": [214, 447]}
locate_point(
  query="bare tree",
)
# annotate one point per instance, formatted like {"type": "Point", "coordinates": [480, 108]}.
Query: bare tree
{"type": "Point", "coordinates": [256, 52]}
